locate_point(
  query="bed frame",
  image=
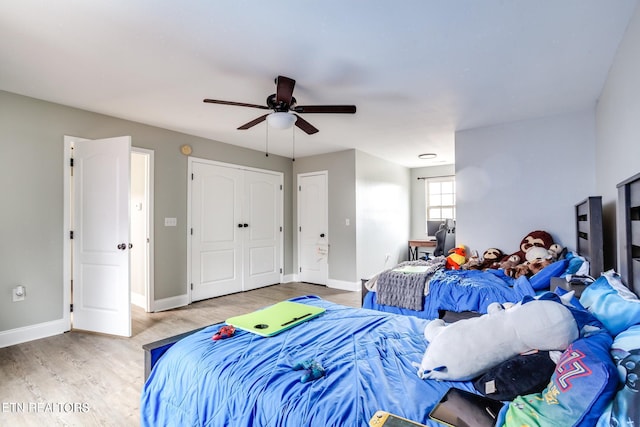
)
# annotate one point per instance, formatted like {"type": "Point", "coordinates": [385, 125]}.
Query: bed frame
{"type": "Point", "coordinates": [629, 232]}
{"type": "Point", "coordinates": [589, 233]}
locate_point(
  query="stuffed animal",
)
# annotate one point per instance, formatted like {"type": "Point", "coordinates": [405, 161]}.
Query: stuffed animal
{"type": "Point", "coordinates": [467, 348]}
{"type": "Point", "coordinates": [457, 256]}
{"type": "Point", "coordinates": [491, 257]}
{"type": "Point", "coordinates": [537, 253]}
{"type": "Point", "coordinates": [510, 262]}
{"type": "Point", "coordinates": [557, 251]}
{"type": "Point", "coordinates": [537, 238]}
{"type": "Point", "coordinates": [474, 262]}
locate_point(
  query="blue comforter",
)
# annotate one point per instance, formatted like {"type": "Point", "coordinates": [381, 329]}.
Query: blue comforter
{"type": "Point", "coordinates": [462, 290]}
{"type": "Point", "coordinates": [248, 380]}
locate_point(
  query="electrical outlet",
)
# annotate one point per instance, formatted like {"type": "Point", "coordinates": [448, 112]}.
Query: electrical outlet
{"type": "Point", "coordinates": [19, 293]}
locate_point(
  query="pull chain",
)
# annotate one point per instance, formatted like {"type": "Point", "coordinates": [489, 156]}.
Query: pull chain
{"type": "Point", "coordinates": [293, 154]}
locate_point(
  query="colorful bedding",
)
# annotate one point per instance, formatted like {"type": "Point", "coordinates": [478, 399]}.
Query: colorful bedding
{"type": "Point", "coordinates": [249, 380]}
{"type": "Point", "coordinates": [462, 290]}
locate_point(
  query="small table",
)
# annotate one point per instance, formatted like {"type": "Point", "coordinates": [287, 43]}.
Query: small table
{"type": "Point", "coordinates": [415, 244]}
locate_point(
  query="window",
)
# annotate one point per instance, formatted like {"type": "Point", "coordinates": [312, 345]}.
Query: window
{"type": "Point", "coordinates": [440, 196]}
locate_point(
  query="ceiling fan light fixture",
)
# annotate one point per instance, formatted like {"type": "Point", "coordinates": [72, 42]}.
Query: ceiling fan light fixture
{"type": "Point", "coordinates": [281, 120]}
{"type": "Point", "coordinates": [427, 156]}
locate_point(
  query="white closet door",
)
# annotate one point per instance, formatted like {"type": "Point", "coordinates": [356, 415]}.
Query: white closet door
{"type": "Point", "coordinates": [262, 213]}
{"type": "Point", "coordinates": [216, 219]}
{"type": "Point", "coordinates": [313, 225]}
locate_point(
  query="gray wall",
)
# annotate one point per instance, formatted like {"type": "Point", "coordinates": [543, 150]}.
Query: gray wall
{"type": "Point", "coordinates": [31, 221]}
{"type": "Point", "coordinates": [519, 177]}
{"type": "Point", "coordinates": [618, 130]}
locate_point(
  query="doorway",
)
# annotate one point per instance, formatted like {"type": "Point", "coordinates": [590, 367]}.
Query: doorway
{"type": "Point", "coordinates": [313, 237]}
{"type": "Point", "coordinates": [141, 222]}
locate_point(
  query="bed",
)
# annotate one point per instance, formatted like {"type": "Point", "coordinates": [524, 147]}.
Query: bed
{"type": "Point", "coordinates": [249, 380]}
{"type": "Point", "coordinates": [368, 360]}
{"type": "Point", "coordinates": [447, 292]}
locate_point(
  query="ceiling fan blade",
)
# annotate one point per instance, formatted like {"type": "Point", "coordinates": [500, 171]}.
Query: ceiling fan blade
{"type": "Point", "coordinates": [284, 89]}
{"type": "Point", "coordinates": [238, 104]}
{"type": "Point", "coordinates": [253, 122]}
{"type": "Point", "coordinates": [344, 109]}
{"type": "Point", "coordinates": [305, 126]}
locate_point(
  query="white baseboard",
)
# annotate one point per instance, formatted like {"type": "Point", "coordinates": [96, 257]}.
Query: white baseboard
{"type": "Point", "coordinates": [139, 300]}
{"type": "Point", "coordinates": [344, 285]}
{"type": "Point", "coordinates": [171, 302]}
{"type": "Point", "coordinates": [33, 332]}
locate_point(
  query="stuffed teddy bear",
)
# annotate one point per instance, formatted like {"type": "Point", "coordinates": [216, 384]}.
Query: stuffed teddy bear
{"type": "Point", "coordinates": [467, 348]}
{"type": "Point", "coordinates": [457, 256]}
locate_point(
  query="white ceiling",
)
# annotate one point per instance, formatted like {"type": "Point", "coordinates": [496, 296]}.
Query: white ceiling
{"type": "Point", "coordinates": [417, 70]}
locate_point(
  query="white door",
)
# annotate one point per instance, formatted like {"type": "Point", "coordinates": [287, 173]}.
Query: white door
{"type": "Point", "coordinates": [216, 228]}
{"type": "Point", "coordinates": [262, 212]}
{"type": "Point", "coordinates": [101, 287]}
{"type": "Point", "coordinates": [313, 238]}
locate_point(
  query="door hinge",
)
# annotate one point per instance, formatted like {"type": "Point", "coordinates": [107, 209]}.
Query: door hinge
{"type": "Point", "coordinates": [280, 271]}
{"type": "Point", "coordinates": [300, 269]}
{"type": "Point", "coordinates": [71, 308]}
{"type": "Point", "coordinates": [71, 234]}
{"type": "Point", "coordinates": [299, 187]}
{"type": "Point", "coordinates": [280, 186]}
{"type": "Point", "coordinates": [192, 286]}
{"type": "Point", "coordinates": [71, 162]}
{"type": "Point", "coordinates": [281, 229]}
{"type": "Point", "coordinates": [191, 177]}
{"type": "Point", "coordinates": [192, 231]}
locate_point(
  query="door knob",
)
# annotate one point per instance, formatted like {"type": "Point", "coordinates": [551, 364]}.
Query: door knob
{"type": "Point", "coordinates": [130, 245]}
{"type": "Point", "coordinates": [122, 246]}
{"type": "Point", "coordinates": [245, 225]}
{"type": "Point", "coordinates": [321, 234]}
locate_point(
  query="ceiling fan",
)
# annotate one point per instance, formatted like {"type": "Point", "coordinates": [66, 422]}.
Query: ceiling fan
{"type": "Point", "coordinates": [285, 109]}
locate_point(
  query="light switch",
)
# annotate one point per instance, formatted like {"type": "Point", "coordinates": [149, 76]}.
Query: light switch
{"type": "Point", "coordinates": [170, 222]}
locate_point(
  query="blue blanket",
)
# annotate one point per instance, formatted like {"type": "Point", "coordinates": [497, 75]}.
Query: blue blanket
{"type": "Point", "coordinates": [248, 380]}
{"type": "Point", "coordinates": [462, 290]}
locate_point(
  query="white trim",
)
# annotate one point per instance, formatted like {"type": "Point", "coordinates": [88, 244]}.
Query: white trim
{"type": "Point", "coordinates": [67, 226]}
{"type": "Point", "coordinates": [149, 303]}
{"type": "Point", "coordinates": [171, 302]}
{"type": "Point", "coordinates": [33, 332]}
{"type": "Point", "coordinates": [190, 161]}
{"type": "Point", "coordinates": [344, 285]}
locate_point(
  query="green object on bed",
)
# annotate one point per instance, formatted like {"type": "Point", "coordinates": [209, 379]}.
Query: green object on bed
{"type": "Point", "coordinates": [276, 318]}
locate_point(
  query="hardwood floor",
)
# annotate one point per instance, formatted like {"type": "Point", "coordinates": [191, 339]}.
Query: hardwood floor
{"type": "Point", "coordinates": [86, 379]}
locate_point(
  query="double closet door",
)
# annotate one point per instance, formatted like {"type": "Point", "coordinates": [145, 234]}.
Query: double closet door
{"type": "Point", "coordinates": [235, 228]}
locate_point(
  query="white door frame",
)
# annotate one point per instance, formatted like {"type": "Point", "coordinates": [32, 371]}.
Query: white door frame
{"type": "Point", "coordinates": [190, 161]}
{"type": "Point", "coordinates": [298, 216]}
{"type": "Point", "coordinates": [149, 264]}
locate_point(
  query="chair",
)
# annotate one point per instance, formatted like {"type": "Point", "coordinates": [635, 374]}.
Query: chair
{"type": "Point", "coordinates": [441, 237]}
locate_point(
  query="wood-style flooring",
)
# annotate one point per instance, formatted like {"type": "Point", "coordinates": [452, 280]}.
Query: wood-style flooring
{"type": "Point", "coordinates": [86, 379]}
